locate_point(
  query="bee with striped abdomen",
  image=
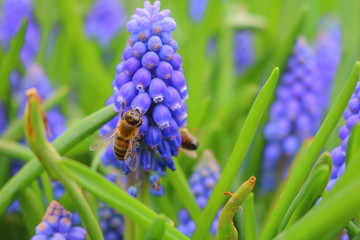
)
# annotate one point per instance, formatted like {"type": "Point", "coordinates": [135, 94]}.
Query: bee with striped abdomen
{"type": "Point", "coordinates": [124, 137]}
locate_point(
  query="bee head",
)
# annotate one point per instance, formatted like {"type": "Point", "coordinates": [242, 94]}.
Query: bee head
{"type": "Point", "coordinates": [134, 117]}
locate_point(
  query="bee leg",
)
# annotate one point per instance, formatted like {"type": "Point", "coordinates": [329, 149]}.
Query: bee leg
{"type": "Point", "coordinates": [122, 110]}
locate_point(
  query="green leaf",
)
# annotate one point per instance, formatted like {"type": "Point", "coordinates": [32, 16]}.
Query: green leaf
{"type": "Point", "coordinates": [311, 190]}
{"type": "Point", "coordinates": [35, 125]}
{"type": "Point", "coordinates": [156, 230]}
{"type": "Point", "coordinates": [226, 229]}
{"type": "Point", "coordinates": [297, 178]}
{"type": "Point", "coordinates": [10, 60]}
{"type": "Point", "coordinates": [64, 143]}
{"type": "Point", "coordinates": [32, 209]}
{"type": "Point", "coordinates": [109, 193]}
{"type": "Point", "coordinates": [354, 143]}
{"type": "Point", "coordinates": [249, 224]}
{"type": "Point", "coordinates": [15, 150]}
{"type": "Point", "coordinates": [333, 212]}
{"type": "Point", "coordinates": [240, 150]}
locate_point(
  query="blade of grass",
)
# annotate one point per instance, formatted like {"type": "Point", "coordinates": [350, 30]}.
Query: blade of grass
{"type": "Point", "coordinates": [240, 150]}
{"type": "Point", "coordinates": [311, 190]}
{"type": "Point", "coordinates": [333, 212]}
{"type": "Point", "coordinates": [354, 142]}
{"type": "Point", "coordinates": [10, 60]}
{"type": "Point", "coordinates": [249, 224]}
{"type": "Point", "coordinates": [304, 166]}
{"type": "Point", "coordinates": [64, 143]}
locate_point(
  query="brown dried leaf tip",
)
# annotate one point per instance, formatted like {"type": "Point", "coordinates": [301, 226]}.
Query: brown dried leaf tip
{"type": "Point", "coordinates": [252, 179]}
{"type": "Point", "coordinates": [33, 95]}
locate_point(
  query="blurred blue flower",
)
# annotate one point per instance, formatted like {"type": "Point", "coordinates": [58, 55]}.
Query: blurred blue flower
{"type": "Point", "coordinates": [104, 20]}
{"type": "Point", "coordinates": [150, 79]}
{"type": "Point", "coordinates": [328, 50]}
{"type": "Point", "coordinates": [111, 222]}
{"type": "Point", "coordinates": [204, 178]}
{"type": "Point", "coordinates": [56, 224]}
{"type": "Point", "coordinates": [12, 14]}
{"type": "Point", "coordinates": [295, 115]}
{"type": "Point", "coordinates": [338, 154]}
{"type": "Point", "coordinates": [244, 53]}
{"type": "Point", "coordinates": [197, 9]}
{"type": "Point", "coordinates": [3, 118]}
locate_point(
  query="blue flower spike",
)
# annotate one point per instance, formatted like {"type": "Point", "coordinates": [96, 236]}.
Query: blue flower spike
{"type": "Point", "coordinates": [57, 224]}
{"type": "Point", "coordinates": [338, 154]}
{"type": "Point", "coordinates": [295, 115]}
{"type": "Point", "coordinates": [150, 78]}
{"type": "Point", "coordinates": [204, 178]}
{"type": "Point", "coordinates": [244, 52]}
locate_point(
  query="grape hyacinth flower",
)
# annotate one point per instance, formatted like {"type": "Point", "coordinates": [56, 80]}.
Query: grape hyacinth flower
{"type": "Point", "coordinates": [150, 79]}
{"type": "Point", "coordinates": [204, 178]}
{"type": "Point", "coordinates": [197, 9]}
{"type": "Point", "coordinates": [244, 53]}
{"type": "Point", "coordinates": [12, 14]}
{"type": "Point", "coordinates": [56, 224]}
{"type": "Point", "coordinates": [338, 154]}
{"type": "Point", "coordinates": [328, 50]}
{"type": "Point", "coordinates": [104, 21]}
{"type": "Point", "coordinates": [295, 115]}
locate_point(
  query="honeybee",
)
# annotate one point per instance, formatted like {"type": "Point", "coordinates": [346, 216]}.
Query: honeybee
{"type": "Point", "coordinates": [189, 143]}
{"type": "Point", "coordinates": [124, 137]}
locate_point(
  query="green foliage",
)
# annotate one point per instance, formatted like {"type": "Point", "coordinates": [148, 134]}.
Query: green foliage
{"type": "Point", "coordinates": [228, 111]}
{"type": "Point", "coordinates": [226, 228]}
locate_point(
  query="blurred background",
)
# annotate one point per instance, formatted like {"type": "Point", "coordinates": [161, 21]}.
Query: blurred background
{"type": "Point", "coordinates": [229, 49]}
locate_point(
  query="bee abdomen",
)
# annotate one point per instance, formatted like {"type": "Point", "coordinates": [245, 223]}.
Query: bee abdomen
{"type": "Point", "coordinates": [120, 148]}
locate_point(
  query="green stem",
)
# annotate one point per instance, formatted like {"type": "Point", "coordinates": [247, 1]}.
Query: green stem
{"type": "Point", "coordinates": [48, 156]}
{"type": "Point", "coordinates": [15, 150]}
{"type": "Point", "coordinates": [64, 143]}
{"type": "Point", "coordinates": [249, 224]}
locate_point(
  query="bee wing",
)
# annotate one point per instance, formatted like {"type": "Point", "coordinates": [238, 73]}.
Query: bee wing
{"type": "Point", "coordinates": [103, 141]}
{"type": "Point", "coordinates": [189, 153]}
{"type": "Point", "coordinates": [131, 156]}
